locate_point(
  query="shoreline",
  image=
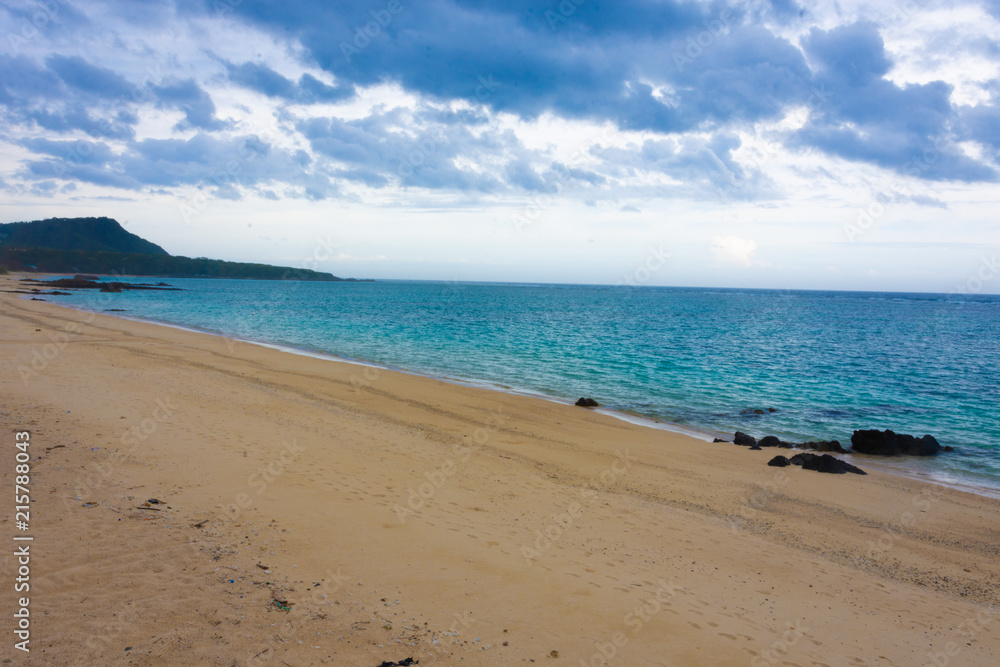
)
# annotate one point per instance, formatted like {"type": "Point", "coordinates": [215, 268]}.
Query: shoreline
{"type": "Point", "coordinates": [896, 466]}
{"type": "Point", "coordinates": [405, 516]}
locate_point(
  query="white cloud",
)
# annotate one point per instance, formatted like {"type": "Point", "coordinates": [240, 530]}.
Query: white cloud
{"type": "Point", "coordinates": [733, 250]}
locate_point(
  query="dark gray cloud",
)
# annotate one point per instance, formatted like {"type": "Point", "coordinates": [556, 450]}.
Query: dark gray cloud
{"type": "Point", "coordinates": [692, 74]}
{"type": "Point", "coordinates": [197, 105]}
{"type": "Point", "coordinates": [264, 80]}
{"type": "Point", "coordinates": [80, 75]}
{"type": "Point", "coordinates": [226, 166]}
{"type": "Point", "coordinates": [865, 117]}
{"type": "Point", "coordinates": [665, 66]}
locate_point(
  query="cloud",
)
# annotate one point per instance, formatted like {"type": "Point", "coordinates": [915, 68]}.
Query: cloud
{"type": "Point", "coordinates": [861, 116]}
{"type": "Point", "coordinates": [79, 74]}
{"type": "Point", "coordinates": [228, 167]}
{"type": "Point", "coordinates": [189, 97]}
{"type": "Point", "coordinates": [266, 81]}
{"type": "Point", "coordinates": [692, 81]}
{"type": "Point", "coordinates": [733, 250]}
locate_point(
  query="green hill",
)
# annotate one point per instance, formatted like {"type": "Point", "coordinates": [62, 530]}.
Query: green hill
{"type": "Point", "coordinates": [102, 246]}
{"type": "Point", "coordinates": [94, 234]}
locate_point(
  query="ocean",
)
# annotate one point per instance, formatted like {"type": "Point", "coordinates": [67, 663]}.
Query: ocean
{"type": "Point", "coordinates": [801, 365]}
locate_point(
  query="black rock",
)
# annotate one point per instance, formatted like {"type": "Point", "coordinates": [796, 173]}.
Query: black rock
{"type": "Point", "coordinates": [824, 446]}
{"type": "Point", "coordinates": [779, 462]}
{"type": "Point", "coordinates": [720, 440]}
{"type": "Point", "coordinates": [887, 443]}
{"type": "Point", "coordinates": [744, 440]}
{"type": "Point", "coordinates": [402, 663]}
{"type": "Point", "coordinates": [757, 448]}
{"type": "Point", "coordinates": [825, 463]}
{"type": "Point", "coordinates": [773, 441]}
{"type": "Point", "coordinates": [587, 403]}
{"type": "Point", "coordinates": [947, 448]}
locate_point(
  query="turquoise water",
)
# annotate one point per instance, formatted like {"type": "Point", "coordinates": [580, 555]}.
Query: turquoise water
{"type": "Point", "coordinates": [827, 362]}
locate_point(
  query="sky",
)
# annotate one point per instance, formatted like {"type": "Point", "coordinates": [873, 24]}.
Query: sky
{"type": "Point", "coordinates": [759, 143]}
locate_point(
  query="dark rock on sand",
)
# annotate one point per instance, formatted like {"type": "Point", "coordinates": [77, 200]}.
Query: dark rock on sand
{"type": "Point", "coordinates": [744, 440]}
{"type": "Point", "coordinates": [720, 440]}
{"type": "Point", "coordinates": [779, 462]}
{"type": "Point", "coordinates": [773, 441]}
{"type": "Point", "coordinates": [887, 443]}
{"type": "Point", "coordinates": [587, 403]}
{"type": "Point", "coordinates": [824, 463]}
{"type": "Point", "coordinates": [402, 663]}
{"type": "Point", "coordinates": [757, 448]}
{"type": "Point", "coordinates": [824, 446]}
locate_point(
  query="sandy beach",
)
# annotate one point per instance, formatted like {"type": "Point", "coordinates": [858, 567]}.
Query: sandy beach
{"type": "Point", "coordinates": [313, 512]}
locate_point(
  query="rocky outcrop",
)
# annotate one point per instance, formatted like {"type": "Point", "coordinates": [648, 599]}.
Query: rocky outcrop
{"type": "Point", "coordinates": [779, 462]}
{"type": "Point", "coordinates": [587, 403]}
{"type": "Point", "coordinates": [744, 440]}
{"type": "Point", "coordinates": [773, 441]}
{"type": "Point", "coordinates": [825, 463]}
{"type": "Point", "coordinates": [887, 443]}
{"type": "Point", "coordinates": [77, 283]}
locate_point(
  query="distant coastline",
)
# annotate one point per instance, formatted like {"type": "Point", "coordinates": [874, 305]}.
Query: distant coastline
{"type": "Point", "coordinates": [103, 247]}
